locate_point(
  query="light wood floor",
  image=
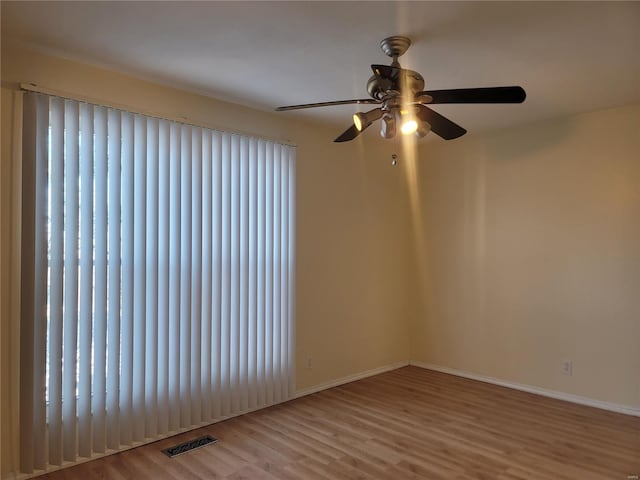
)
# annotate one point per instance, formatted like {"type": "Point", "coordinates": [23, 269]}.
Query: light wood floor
{"type": "Point", "coordinates": [406, 424]}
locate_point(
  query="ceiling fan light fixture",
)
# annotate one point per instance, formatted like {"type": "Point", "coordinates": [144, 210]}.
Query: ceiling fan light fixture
{"type": "Point", "coordinates": [409, 126]}
{"type": "Point", "coordinates": [363, 120]}
{"type": "Point", "coordinates": [388, 126]}
{"type": "Point", "coordinates": [423, 129]}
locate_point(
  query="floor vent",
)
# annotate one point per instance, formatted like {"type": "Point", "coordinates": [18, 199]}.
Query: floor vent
{"type": "Point", "coordinates": [190, 445]}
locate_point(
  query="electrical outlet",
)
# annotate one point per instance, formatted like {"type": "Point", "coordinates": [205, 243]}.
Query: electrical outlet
{"type": "Point", "coordinates": [309, 361]}
{"type": "Point", "coordinates": [567, 367]}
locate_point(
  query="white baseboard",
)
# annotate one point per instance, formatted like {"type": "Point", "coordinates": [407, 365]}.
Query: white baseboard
{"type": "Point", "coordinates": [349, 378]}
{"type": "Point", "coordinates": [568, 397]}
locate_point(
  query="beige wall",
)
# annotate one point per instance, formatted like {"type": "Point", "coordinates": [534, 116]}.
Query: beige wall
{"type": "Point", "coordinates": [528, 243]}
{"type": "Point", "coordinates": [351, 214]}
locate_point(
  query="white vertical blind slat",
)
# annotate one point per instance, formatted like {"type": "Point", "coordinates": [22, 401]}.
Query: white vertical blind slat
{"type": "Point", "coordinates": [196, 275]}
{"type": "Point", "coordinates": [28, 261]}
{"type": "Point", "coordinates": [268, 278]}
{"type": "Point", "coordinates": [127, 314]}
{"type": "Point", "coordinates": [234, 300]}
{"type": "Point", "coordinates": [225, 278]}
{"type": "Point", "coordinates": [85, 281]}
{"type": "Point", "coordinates": [114, 277]}
{"type": "Point", "coordinates": [139, 274]}
{"type": "Point", "coordinates": [98, 398]}
{"type": "Point", "coordinates": [277, 221]}
{"type": "Point", "coordinates": [56, 279]}
{"type": "Point", "coordinates": [243, 267]}
{"type": "Point", "coordinates": [40, 286]}
{"type": "Point", "coordinates": [70, 327]}
{"type": "Point", "coordinates": [207, 276]}
{"type": "Point", "coordinates": [261, 208]}
{"type": "Point", "coordinates": [283, 351]}
{"type": "Point", "coordinates": [252, 339]}
{"type": "Point", "coordinates": [216, 280]}
{"type": "Point", "coordinates": [151, 287]}
{"type": "Point", "coordinates": [163, 277]}
{"type": "Point", "coordinates": [185, 279]}
{"type": "Point", "coordinates": [174, 278]}
{"type": "Point", "coordinates": [163, 268]}
{"type": "Point", "coordinates": [291, 265]}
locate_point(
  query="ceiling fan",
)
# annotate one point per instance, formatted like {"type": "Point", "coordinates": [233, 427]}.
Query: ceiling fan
{"type": "Point", "coordinates": [401, 100]}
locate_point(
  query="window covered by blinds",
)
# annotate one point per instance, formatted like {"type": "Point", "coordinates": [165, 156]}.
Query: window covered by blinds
{"type": "Point", "coordinates": [157, 278]}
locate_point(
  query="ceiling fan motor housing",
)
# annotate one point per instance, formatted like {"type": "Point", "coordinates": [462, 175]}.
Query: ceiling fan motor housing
{"type": "Point", "coordinates": [406, 81]}
{"type": "Point", "coordinates": [411, 81]}
{"type": "Point", "coordinates": [378, 87]}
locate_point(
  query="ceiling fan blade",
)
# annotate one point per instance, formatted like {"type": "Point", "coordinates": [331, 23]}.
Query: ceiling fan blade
{"type": "Point", "coordinates": [386, 71]}
{"type": "Point", "coordinates": [349, 134]}
{"type": "Point", "coordinates": [328, 104]}
{"type": "Point", "coordinates": [440, 125]}
{"type": "Point", "coordinates": [477, 95]}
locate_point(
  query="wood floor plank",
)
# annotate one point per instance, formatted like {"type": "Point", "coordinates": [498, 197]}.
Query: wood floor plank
{"type": "Point", "coordinates": [409, 423]}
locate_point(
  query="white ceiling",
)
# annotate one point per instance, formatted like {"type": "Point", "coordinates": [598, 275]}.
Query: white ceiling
{"type": "Point", "coordinates": [570, 57]}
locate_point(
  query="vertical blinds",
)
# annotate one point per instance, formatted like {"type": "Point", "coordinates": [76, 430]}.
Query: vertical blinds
{"type": "Point", "coordinates": [157, 278]}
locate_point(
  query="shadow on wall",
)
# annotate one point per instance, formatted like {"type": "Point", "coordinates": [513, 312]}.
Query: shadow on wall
{"type": "Point", "coordinates": [519, 143]}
